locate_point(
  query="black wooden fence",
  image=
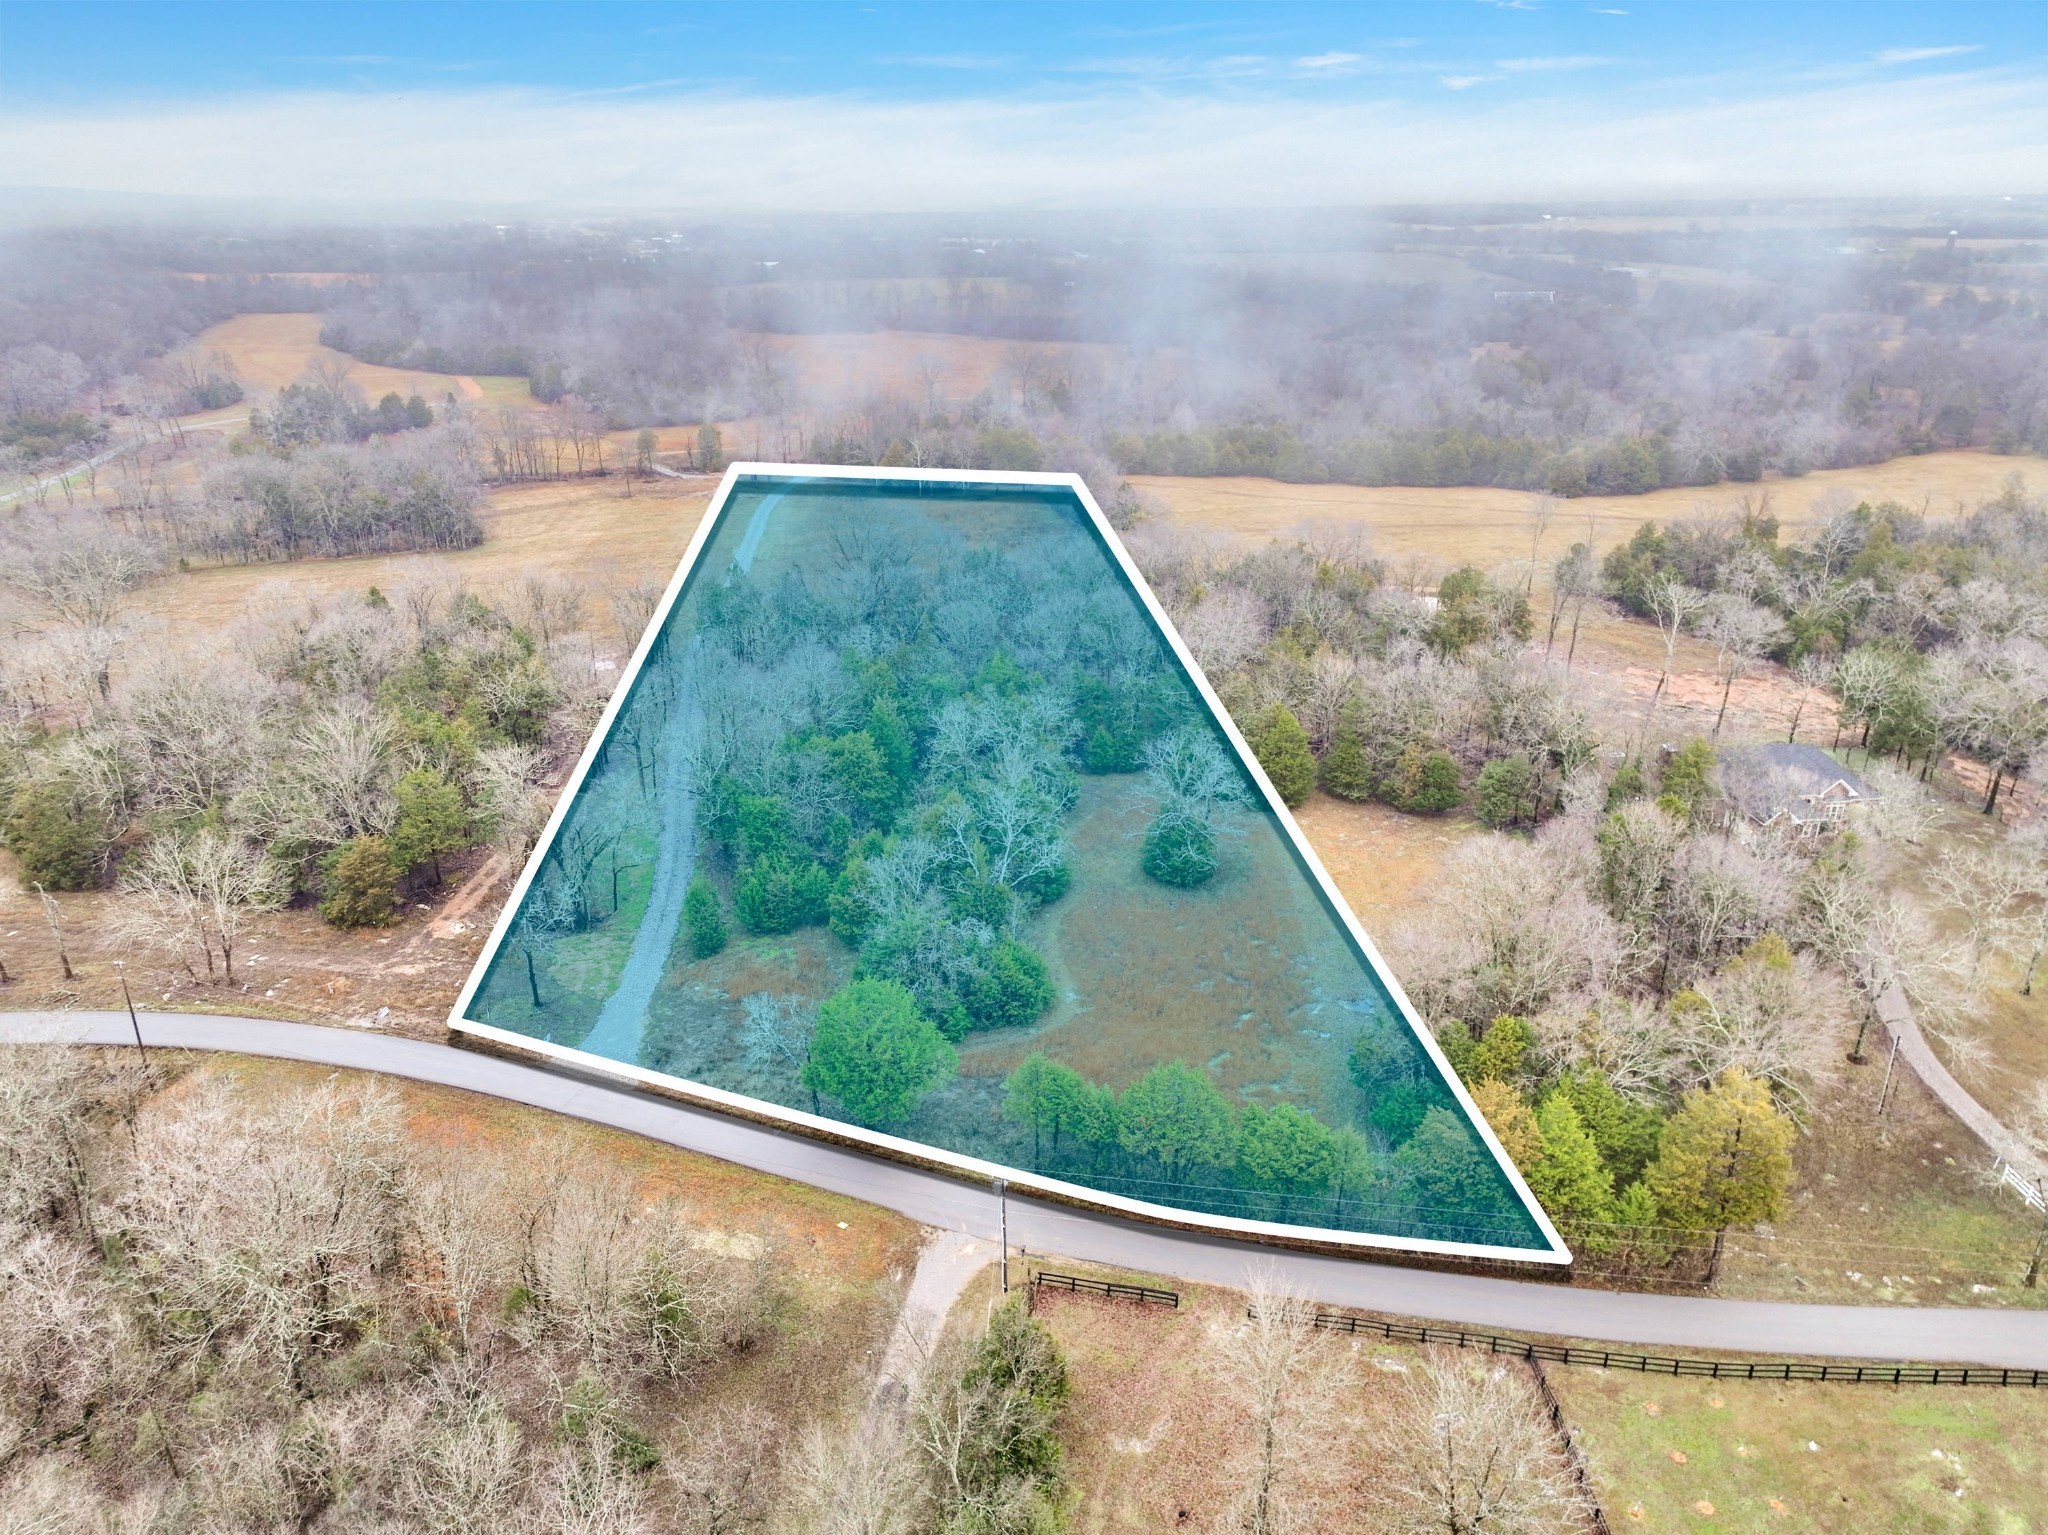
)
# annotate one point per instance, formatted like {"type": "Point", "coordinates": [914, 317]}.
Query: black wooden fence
{"type": "Point", "coordinates": [1075, 1284]}
{"type": "Point", "coordinates": [1710, 1369]}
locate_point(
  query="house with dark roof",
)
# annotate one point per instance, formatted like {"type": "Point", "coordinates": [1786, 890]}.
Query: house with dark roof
{"type": "Point", "coordinates": [1794, 788]}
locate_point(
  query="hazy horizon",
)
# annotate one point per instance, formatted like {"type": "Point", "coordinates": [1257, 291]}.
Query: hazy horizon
{"type": "Point", "coordinates": [715, 109]}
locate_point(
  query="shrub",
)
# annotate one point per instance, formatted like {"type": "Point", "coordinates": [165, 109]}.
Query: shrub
{"type": "Point", "coordinates": [1627, 784]}
{"type": "Point", "coordinates": [875, 1052]}
{"type": "Point", "coordinates": [1281, 746]}
{"type": "Point", "coordinates": [359, 884]}
{"type": "Point", "coordinates": [1429, 782]}
{"type": "Point", "coordinates": [1048, 885]}
{"type": "Point", "coordinates": [59, 845]}
{"type": "Point", "coordinates": [1012, 988]}
{"type": "Point", "coordinates": [705, 920]}
{"type": "Point", "coordinates": [1180, 854]}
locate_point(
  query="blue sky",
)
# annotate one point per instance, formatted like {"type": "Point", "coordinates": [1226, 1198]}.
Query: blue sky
{"type": "Point", "coordinates": [934, 105]}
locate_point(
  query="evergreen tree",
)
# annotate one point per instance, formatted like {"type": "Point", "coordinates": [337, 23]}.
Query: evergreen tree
{"type": "Point", "coordinates": [705, 919]}
{"type": "Point", "coordinates": [1434, 787]}
{"type": "Point", "coordinates": [1346, 771]}
{"type": "Point", "coordinates": [1626, 1132]}
{"type": "Point", "coordinates": [1282, 749]}
{"type": "Point", "coordinates": [1725, 1159]}
{"type": "Point", "coordinates": [1286, 1149]}
{"type": "Point", "coordinates": [1502, 1052]}
{"type": "Point", "coordinates": [781, 893]}
{"type": "Point", "coordinates": [431, 820]}
{"type": "Point", "coordinates": [1505, 794]}
{"type": "Point", "coordinates": [57, 843]}
{"type": "Point", "coordinates": [860, 769]}
{"type": "Point", "coordinates": [1627, 783]}
{"type": "Point", "coordinates": [1636, 1230]}
{"type": "Point", "coordinates": [1027, 1098]}
{"type": "Point", "coordinates": [1686, 782]}
{"type": "Point", "coordinates": [1057, 1101]}
{"type": "Point", "coordinates": [359, 884]}
{"type": "Point", "coordinates": [1452, 1174]}
{"type": "Point", "coordinates": [1012, 988]}
{"type": "Point", "coordinates": [893, 740]}
{"type": "Point", "coordinates": [1174, 1115]}
{"type": "Point", "coordinates": [1507, 1112]}
{"type": "Point", "coordinates": [875, 1052]}
{"type": "Point", "coordinates": [1569, 1179]}
{"type": "Point", "coordinates": [847, 908]}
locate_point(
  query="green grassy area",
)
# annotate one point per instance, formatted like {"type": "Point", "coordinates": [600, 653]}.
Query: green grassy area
{"type": "Point", "coordinates": [1755, 1455]}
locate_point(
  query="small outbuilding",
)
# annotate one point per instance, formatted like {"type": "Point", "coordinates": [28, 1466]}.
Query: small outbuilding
{"type": "Point", "coordinates": [1792, 787]}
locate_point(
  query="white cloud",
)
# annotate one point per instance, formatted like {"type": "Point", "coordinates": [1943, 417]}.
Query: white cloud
{"type": "Point", "coordinates": [1465, 82]}
{"type": "Point", "coordinates": [1087, 146]}
{"type": "Point", "coordinates": [1915, 55]}
{"type": "Point", "coordinates": [1548, 65]}
{"type": "Point", "coordinates": [950, 61]}
{"type": "Point", "coordinates": [1329, 63]}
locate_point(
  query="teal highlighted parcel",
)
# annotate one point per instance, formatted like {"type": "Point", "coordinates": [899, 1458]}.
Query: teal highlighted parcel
{"type": "Point", "coordinates": [912, 818]}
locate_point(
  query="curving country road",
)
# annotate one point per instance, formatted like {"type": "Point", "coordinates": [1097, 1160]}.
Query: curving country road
{"type": "Point", "coordinates": [1928, 1335]}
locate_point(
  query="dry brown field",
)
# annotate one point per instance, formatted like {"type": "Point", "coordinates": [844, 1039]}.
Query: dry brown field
{"type": "Point", "coordinates": [1486, 527]}
{"type": "Point", "coordinates": [572, 528]}
{"type": "Point", "coordinates": [269, 351]}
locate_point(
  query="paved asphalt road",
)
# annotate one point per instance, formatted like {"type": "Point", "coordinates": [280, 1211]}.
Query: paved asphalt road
{"type": "Point", "coordinates": [1921, 1334]}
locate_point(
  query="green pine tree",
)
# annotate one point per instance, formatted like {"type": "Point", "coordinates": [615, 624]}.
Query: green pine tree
{"type": "Point", "coordinates": [1725, 1159]}
{"type": "Point", "coordinates": [431, 820]}
{"type": "Point", "coordinates": [1174, 1115]}
{"type": "Point", "coordinates": [1569, 1177]}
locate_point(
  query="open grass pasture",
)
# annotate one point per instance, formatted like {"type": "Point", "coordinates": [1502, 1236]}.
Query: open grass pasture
{"type": "Point", "coordinates": [580, 529]}
{"type": "Point", "coordinates": [1487, 527]}
{"type": "Point", "coordinates": [1706, 1455]}
{"type": "Point", "coordinates": [269, 351]}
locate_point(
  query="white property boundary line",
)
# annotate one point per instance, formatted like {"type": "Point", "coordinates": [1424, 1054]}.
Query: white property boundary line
{"type": "Point", "coordinates": [917, 1151]}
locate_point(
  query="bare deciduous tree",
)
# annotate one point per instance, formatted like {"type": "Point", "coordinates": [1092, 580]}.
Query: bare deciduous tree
{"type": "Point", "coordinates": [1461, 1447]}
{"type": "Point", "coordinates": [1282, 1375]}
